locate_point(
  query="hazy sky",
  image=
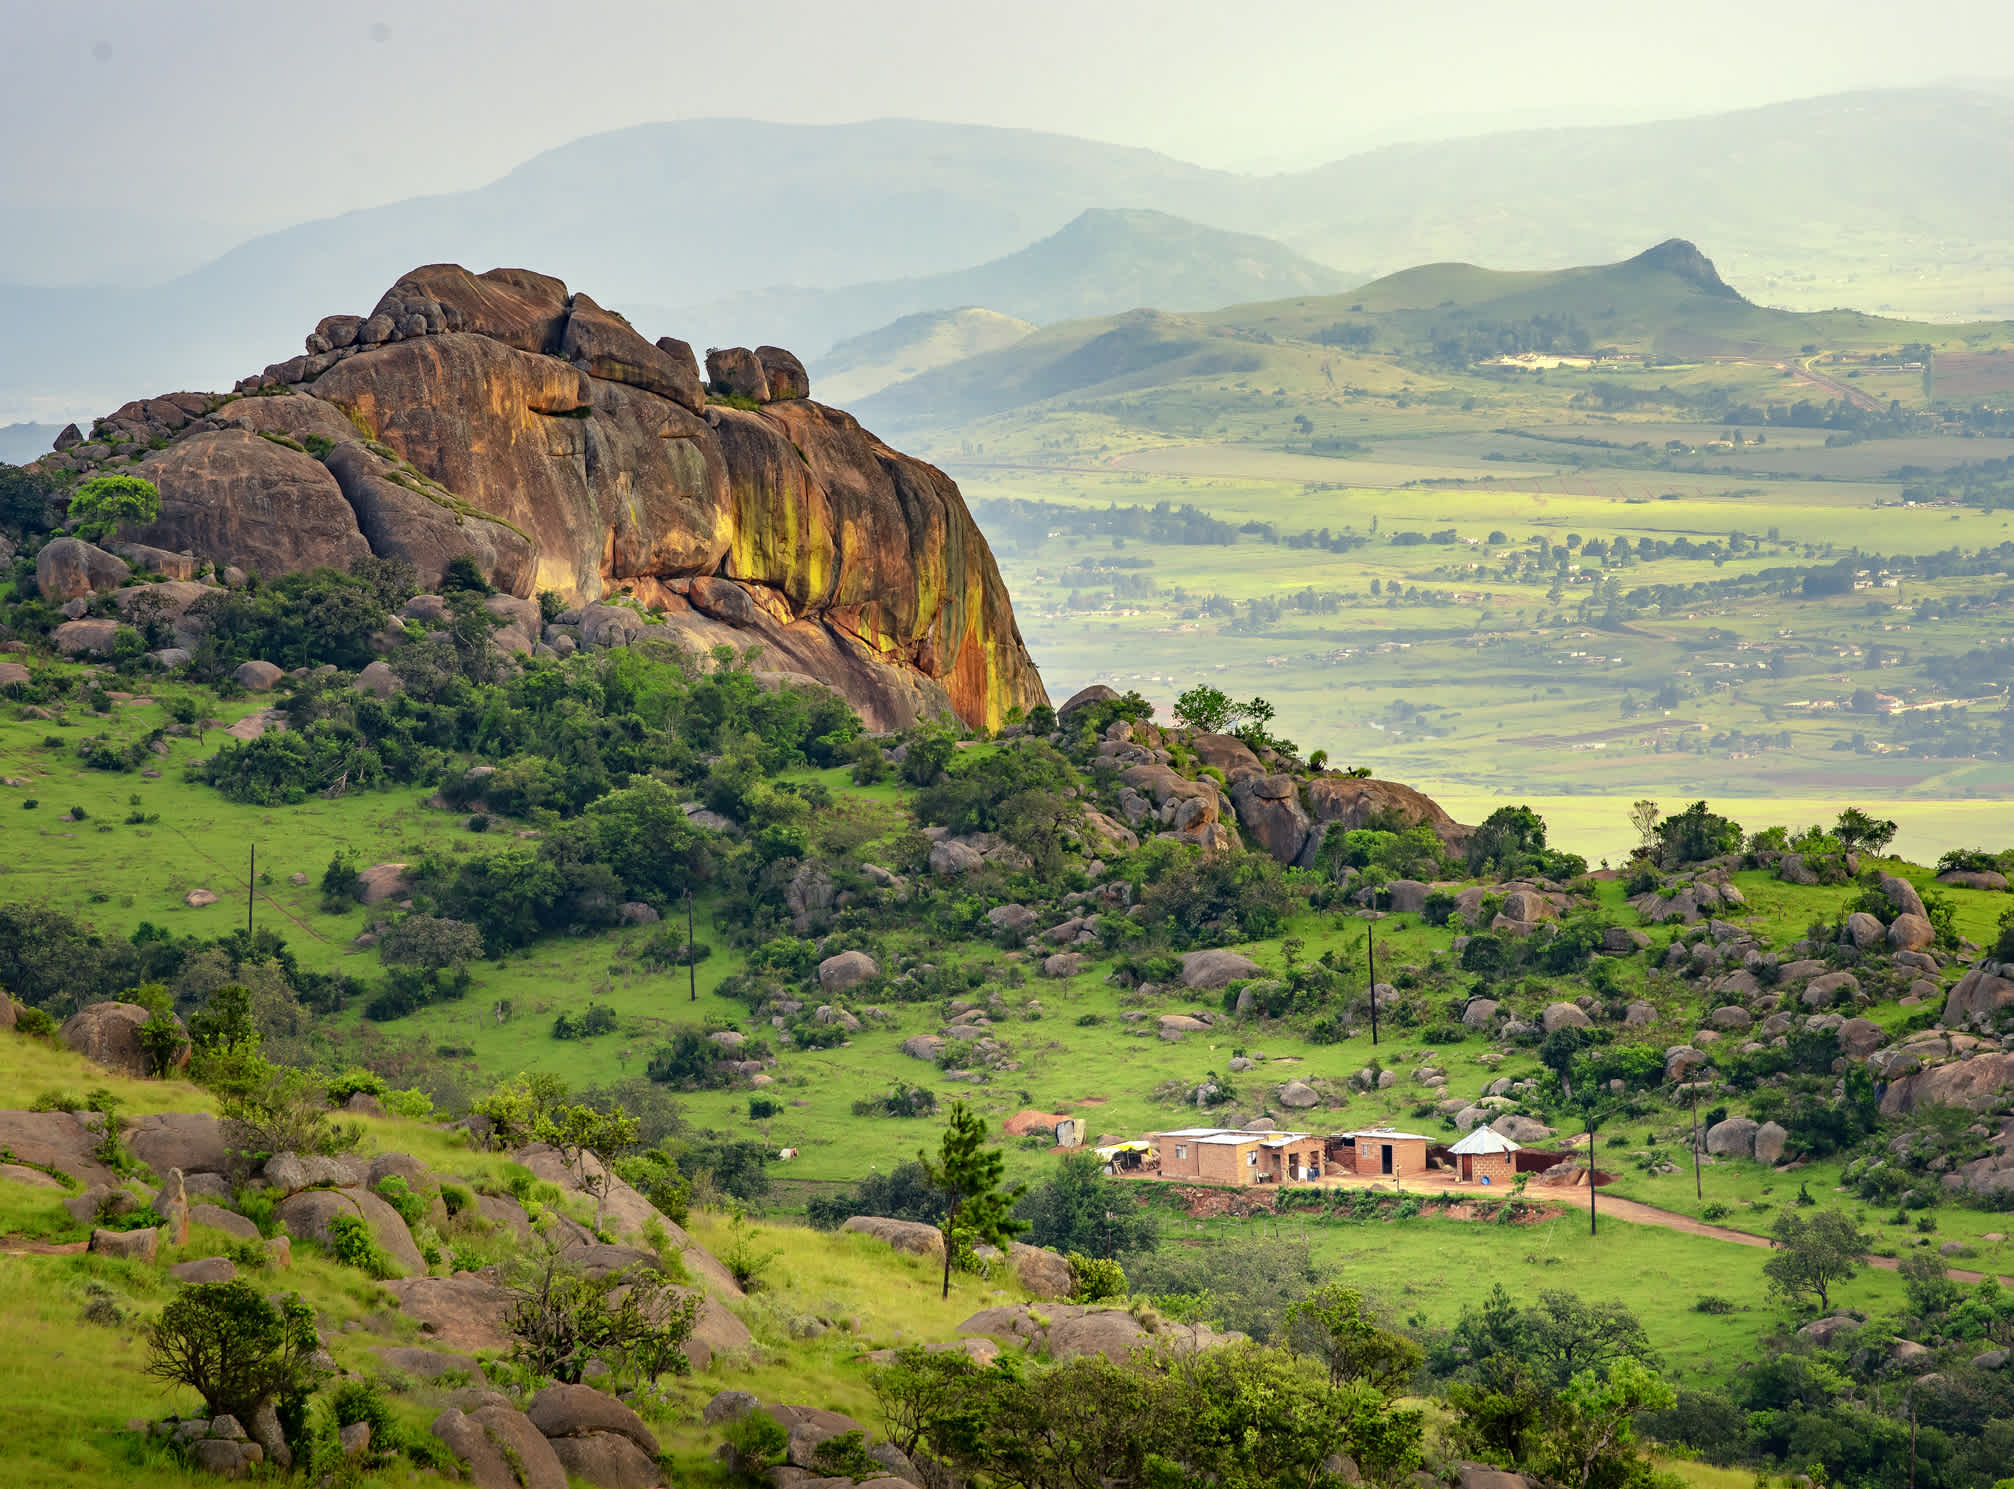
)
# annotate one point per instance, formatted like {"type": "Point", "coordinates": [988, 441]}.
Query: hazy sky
{"type": "Point", "coordinates": [263, 112]}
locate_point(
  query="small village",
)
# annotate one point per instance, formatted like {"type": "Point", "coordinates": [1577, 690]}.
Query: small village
{"type": "Point", "coordinates": [1261, 1155]}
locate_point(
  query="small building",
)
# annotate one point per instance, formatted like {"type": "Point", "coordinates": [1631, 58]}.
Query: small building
{"type": "Point", "coordinates": [1382, 1152]}
{"type": "Point", "coordinates": [1484, 1157]}
{"type": "Point", "coordinates": [1222, 1155]}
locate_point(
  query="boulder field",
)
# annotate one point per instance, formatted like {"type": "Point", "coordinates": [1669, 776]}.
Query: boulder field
{"type": "Point", "coordinates": [498, 416]}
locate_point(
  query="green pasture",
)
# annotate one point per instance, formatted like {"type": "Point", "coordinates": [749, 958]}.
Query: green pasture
{"type": "Point", "coordinates": [1428, 1269]}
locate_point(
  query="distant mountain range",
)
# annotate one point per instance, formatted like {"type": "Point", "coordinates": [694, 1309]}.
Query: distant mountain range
{"type": "Point", "coordinates": [902, 349]}
{"type": "Point", "coordinates": [1668, 300]}
{"type": "Point", "coordinates": [1103, 260]}
{"type": "Point", "coordinates": [713, 216]}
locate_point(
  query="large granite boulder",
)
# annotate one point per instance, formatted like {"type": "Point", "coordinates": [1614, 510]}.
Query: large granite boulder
{"type": "Point", "coordinates": [499, 1448]}
{"type": "Point", "coordinates": [240, 499]}
{"type": "Point", "coordinates": [1354, 801]}
{"type": "Point", "coordinates": [1979, 996]}
{"type": "Point", "coordinates": [1269, 812]}
{"type": "Point", "coordinates": [912, 1236]}
{"type": "Point", "coordinates": [499, 416]}
{"type": "Point", "coordinates": [311, 1214]}
{"type": "Point", "coordinates": [1215, 967]}
{"type": "Point", "coordinates": [1979, 1082]}
{"type": "Point", "coordinates": [69, 569]}
{"type": "Point", "coordinates": [109, 1034]}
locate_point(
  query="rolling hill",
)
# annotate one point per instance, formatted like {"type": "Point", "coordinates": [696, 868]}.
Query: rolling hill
{"type": "Point", "coordinates": [1102, 261]}
{"type": "Point", "coordinates": [1899, 197]}
{"type": "Point", "coordinates": [863, 365]}
{"type": "Point", "coordinates": [1666, 302]}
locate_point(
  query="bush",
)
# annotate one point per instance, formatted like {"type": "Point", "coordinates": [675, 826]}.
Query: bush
{"type": "Point", "coordinates": [351, 1242]}
{"type": "Point", "coordinates": [899, 1101]}
{"type": "Point", "coordinates": [1095, 1279]}
{"type": "Point", "coordinates": [562, 1320]}
{"type": "Point", "coordinates": [758, 1442]}
{"type": "Point", "coordinates": [232, 1347]}
{"type": "Point", "coordinates": [287, 1113]}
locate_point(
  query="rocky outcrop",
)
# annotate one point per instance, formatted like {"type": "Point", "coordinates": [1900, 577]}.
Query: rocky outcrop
{"type": "Point", "coordinates": [1353, 801]}
{"type": "Point", "coordinates": [1986, 988]}
{"type": "Point", "coordinates": [109, 1033]}
{"type": "Point", "coordinates": [1067, 1331]}
{"type": "Point", "coordinates": [500, 417]}
{"type": "Point", "coordinates": [1979, 1082]}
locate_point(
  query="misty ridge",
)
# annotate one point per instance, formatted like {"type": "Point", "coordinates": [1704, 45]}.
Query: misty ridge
{"type": "Point", "coordinates": [724, 231]}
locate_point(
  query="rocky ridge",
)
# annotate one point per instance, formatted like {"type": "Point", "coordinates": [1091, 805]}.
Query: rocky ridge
{"type": "Point", "coordinates": [500, 417]}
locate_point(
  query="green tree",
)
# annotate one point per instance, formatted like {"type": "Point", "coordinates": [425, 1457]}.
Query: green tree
{"type": "Point", "coordinates": [162, 1038]}
{"type": "Point", "coordinates": [1338, 1328]}
{"type": "Point", "coordinates": [1565, 1335]}
{"type": "Point", "coordinates": [24, 499]}
{"type": "Point", "coordinates": [589, 1142]}
{"type": "Point", "coordinates": [1858, 832]}
{"type": "Point", "coordinates": [977, 1208]}
{"type": "Point", "coordinates": [104, 504]}
{"type": "Point", "coordinates": [1499, 1413]}
{"type": "Point", "coordinates": [233, 1348]}
{"type": "Point", "coordinates": [1813, 1256]}
{"type": "Point", "coordinates": [1695, 835]}
{"type": "Point", "coordinates": [430, 943]}
{"type": "Point", "coordinates": [1205, 709]}
{"type": "Point", "coordinates": [1082, 1209]}
{"type": "Point", "coordinates": [1590, 1439]}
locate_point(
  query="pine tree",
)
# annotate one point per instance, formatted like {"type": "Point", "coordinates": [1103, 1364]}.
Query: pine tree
{"type": "Point", "coordinates": [968, 1173]}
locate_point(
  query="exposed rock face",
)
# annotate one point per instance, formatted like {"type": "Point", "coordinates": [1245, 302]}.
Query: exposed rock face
{"type": "Point", "coordinates": [1985, 989]}
{"type": "Point", "coordinates": [1353, 801]}
{"type": "Point", "coordinates": [499, 416]}
{"type": "Point", "coordinates": [1977, 1083]}
{"type": "Point", "coordinates": [67, 569]}
{"type": "Point", "coordinates": [109, 1033]}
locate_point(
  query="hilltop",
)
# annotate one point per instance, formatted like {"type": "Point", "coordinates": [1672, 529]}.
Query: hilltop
{"type": "Point", "coordinates": [1102, 261]}
{"type": "Point", "coordinates": [1668, 302]}
{"type": "Point", "coordinates": [1815, 203]}
{"type": "Point", "coordinates": [499, 423]}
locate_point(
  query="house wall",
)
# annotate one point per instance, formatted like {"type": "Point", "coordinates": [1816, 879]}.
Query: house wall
{"type": "Point", "coordinates": [1225, 1162]}
{"type": "Point", "coordinates": [1407, 1157]}
{"type": "Point", "coordinates": [1187, 1166]}
{"type": "Point", "coordinates": [1498, 1168]}
{"type": "Point", "coordinates": [1302, 1156]}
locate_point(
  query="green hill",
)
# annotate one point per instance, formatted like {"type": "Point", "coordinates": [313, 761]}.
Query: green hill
{"type": "Point", "coordinates": [1101, 262]}
{"type": "Point", "coordinates": [1668, 303]}
{"type": "Point", "coordinates": [863, 365]}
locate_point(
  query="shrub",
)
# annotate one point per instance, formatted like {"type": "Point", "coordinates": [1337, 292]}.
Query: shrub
{"type": "Point", "coordinates": [287, 1113]}
{"type": "Point", "coordinates": [900, 1100]}
{"type": "Point", "coordinates": [394, 1191]}
{"type": "Point", "coordinates": [361, 1401]}
{"type": "Point", "coordinates": [352, 1243]}
{"type": "Point", "coordinates": [353, 1080]}
{"type": "Point", "coordinates": [758, 1442]}
{"type": "Point", "coordinates": [1095, 1279]}
{"type": "Point", "coordinates": [561, 1320]}
{"type": "Point", "coordinates": [232, 1347]}
{"type": "Point", "coordinates": [103, 504]}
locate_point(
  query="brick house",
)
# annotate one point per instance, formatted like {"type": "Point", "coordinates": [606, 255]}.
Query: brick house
{"type": "Point", "coordinates": [1484, 1157]}
{"type": "Point", "coordinates": [1226, 1156]}
{"type": "Point", "coordinates": [1381, 1152]}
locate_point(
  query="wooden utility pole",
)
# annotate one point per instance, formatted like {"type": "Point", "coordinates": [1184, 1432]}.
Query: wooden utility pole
{"type": "Point", "coordinates": [1698, 1192]}
{"type": "Point", "coordinates": [691, 951]}
{"type": "Point", "coordinates": [251, 889]}
{"type": "Point", "coordinates": [1371, 953]}
{"type": "Point", "coordinates": [1590, 1169]}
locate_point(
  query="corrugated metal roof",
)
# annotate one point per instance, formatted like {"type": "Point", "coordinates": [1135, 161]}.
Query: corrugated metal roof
{"type": "Point", "coordinates": [1234, 1136]}
{"type": "Point", "coordinates": [1385, 1134]}
{"type": "Point", "coordinates": [1481, 1141]}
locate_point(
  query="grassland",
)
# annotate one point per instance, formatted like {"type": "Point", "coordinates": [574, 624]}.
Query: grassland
{"type": "Point", "coordinates": [1455, 662]}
